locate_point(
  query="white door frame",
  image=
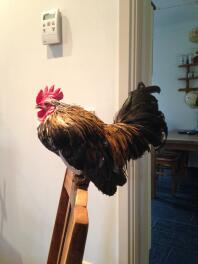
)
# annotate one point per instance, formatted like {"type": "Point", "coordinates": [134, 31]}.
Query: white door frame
{"type": "Point", "coordinates": [135, 60]}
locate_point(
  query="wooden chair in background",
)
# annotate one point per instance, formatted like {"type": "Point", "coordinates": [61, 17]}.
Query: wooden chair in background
{"type": "Point", "coordinates": [71, 224]}
{"type": "Point", "coordinates": [176, 161]}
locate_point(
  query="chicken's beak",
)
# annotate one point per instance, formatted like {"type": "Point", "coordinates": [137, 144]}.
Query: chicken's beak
{"type": "Point", "coordinates": [38, 106]}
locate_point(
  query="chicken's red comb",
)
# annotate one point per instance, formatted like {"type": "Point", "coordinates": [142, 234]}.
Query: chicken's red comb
{"type": "Point", "coordinates": [49, 93]}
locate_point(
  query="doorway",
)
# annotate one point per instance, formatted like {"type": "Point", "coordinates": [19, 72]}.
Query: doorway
{"type": "Point", "coordinates": [175, 213]}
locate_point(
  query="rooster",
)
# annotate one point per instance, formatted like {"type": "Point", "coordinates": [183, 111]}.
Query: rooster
{"type": "Point", "coordinates": [96, 151]}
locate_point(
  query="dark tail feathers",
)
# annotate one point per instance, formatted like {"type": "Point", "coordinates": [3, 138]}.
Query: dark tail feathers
{"type": "Point", "coordinates": [140, 110]}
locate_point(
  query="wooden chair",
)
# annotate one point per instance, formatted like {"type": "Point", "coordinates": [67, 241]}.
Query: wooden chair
{"type": "Point", "coordinates": [176, 161]}
{"type": "Point", "coordinates": [71, 224]}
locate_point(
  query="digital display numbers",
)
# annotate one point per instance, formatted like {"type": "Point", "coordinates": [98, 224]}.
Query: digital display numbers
{"type": "Point", "coordinates": [48, 16]}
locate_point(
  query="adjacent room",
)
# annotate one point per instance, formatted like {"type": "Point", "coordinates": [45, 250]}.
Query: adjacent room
{"type": "Point", "coordinates": [175, 167]}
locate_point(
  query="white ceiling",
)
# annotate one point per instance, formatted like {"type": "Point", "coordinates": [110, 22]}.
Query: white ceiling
{"type": "Point", "coordinates": [165, 4]}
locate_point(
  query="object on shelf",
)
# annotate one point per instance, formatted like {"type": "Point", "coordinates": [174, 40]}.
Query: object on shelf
{"type": "Point", "coordinates": [195, 56]}
{"type": "Point", "coordinates": [184, 59]}
{"type": "Point", "coordinates": [195, 59]}
{"type": "Point", "coordinates": [195, 74]}
{"type": "Point", "coordinates": [190, 75]}
{"type": "Point", "coordinates": [190, 58]}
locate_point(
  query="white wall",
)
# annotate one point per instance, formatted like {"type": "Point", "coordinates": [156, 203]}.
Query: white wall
{"type": "Point", "coordinates": [86, 67]}
{"type": "Point", "coordinates": [171, 28]}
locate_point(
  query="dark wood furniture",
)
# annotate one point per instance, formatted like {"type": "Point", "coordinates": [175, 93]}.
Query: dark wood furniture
{"type": "Point", "coordinates": [71, 224]}
{"type": "Point", "coordinates": [171, 160]}
{"type": "Point", "coordinates": [175, 141]}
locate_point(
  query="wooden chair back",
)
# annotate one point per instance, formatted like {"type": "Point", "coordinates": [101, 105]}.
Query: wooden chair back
{"type": "Point", "coordinates": [71, 224]}
{"type": "Point", "coordinates": [174, 160]}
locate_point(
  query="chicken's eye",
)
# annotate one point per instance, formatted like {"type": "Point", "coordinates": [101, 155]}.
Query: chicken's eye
{"type": "Point", "coordinates": [47, 104]}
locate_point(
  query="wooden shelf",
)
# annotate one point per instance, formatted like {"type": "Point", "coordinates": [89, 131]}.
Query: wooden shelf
{"type": "Point", "coordinates": [187, 90]}
{"type": "Point", "coordinates": [184, 78]}
{"type": "Point", "coordinates": [188, 65]}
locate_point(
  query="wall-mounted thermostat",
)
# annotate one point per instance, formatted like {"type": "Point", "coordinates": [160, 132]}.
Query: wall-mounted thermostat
{"type": "Point", "coordinates": [51, 27]}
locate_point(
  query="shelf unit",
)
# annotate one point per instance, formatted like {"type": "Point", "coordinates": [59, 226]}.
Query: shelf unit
{"type": "Point", "coordinates": [186, 79]}
{"type": "Point", "coordinates": [191, 78]}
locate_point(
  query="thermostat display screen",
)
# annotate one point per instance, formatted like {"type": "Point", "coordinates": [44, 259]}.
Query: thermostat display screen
{"type": "Point", "coordinates": [48, 16]}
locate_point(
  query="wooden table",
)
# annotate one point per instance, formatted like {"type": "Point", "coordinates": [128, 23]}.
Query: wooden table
{"type": "Point", "coordinates": [175, 141]}
{"type": "Point", "coordinates": [182, 142]}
